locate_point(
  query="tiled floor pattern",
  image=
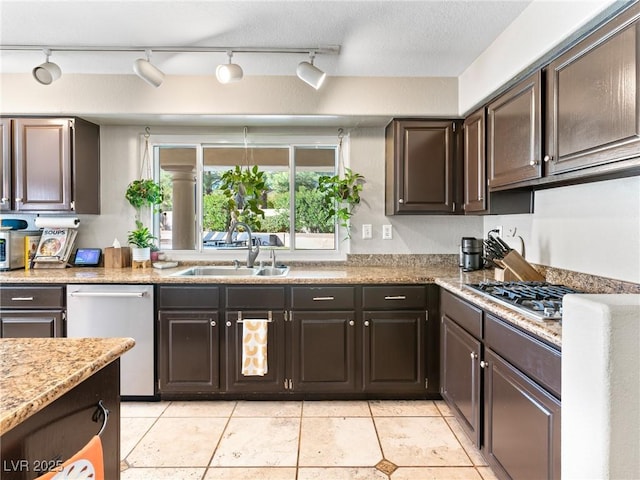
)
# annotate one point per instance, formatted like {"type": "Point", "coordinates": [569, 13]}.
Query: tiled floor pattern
{"type": "Point", "coordinates": [323, 440]}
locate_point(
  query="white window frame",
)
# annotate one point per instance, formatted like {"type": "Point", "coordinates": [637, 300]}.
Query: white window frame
{"type": "Point", "coordinates": [306, 138]}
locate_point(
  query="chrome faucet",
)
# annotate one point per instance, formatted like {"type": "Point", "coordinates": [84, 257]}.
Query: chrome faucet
{"type": "Point", "coordinates": [253, 251]}
{"type": "Point", "coordinates": [272, 257]}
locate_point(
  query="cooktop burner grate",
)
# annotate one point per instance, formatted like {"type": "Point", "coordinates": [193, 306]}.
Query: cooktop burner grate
{"type": "Point", "coordinates": [538, 300]}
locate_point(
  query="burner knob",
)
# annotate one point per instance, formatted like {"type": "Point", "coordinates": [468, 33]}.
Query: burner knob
{"type": "Point", "coordinates": [549, 311]}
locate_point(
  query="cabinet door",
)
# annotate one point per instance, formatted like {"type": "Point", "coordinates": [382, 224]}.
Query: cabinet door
{"type": "Point", "coordinates": [42, 164]}
{"type": "Point", "coordinates": [420, 167]}
{"type": "Point", "coordinates": [31, 324]}
{"type": "Point", "coordinates": [274, 379]}
{"type": "Point", "coordinates": [475, 173]}
{"type": "Point", "coordinates": [189, 351]}
{"type": "Point", "coordinates": [5, 172]}
{"type": "Point", "coordinates": [594, 89]}
{"type": "Point", "coordinates": [460, 376]}
{"type": "Point", "coordinates": [514, 134]}
{"type": "Point", "coordinates": [522, 423]}
{"type": "Point", "coordinates": [324, 357]}
{"type": "Point", "coordinates": [394, 352]}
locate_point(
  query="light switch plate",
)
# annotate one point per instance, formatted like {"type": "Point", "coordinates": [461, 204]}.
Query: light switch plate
{"type": "Point", "coordinates": [367, 231]}
{"type": "Point", "coordinates": [387, 232]}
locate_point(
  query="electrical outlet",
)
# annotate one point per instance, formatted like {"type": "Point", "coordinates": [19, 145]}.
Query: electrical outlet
{"type": "Point", "coordinates": [387, 232]}
{"type": "Point", "coordinates": [367, 231]}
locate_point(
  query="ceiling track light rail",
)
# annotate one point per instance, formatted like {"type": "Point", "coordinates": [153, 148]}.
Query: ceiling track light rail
{"type": "Point", "coordinates": [48, 72]}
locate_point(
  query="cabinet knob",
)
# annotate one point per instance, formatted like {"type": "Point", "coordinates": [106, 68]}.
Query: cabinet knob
{"type": "Point", "coordinates": [366, 323]}
{"type": "Point", "coordinates": [474, 355]}
{"type": "Point", "coordinates": [533, 163]}
{"type": "Point", "coordinates": [212, 323]}
{"type": "Point", "coordinates": [400, 200]}
{"type": "Point", "coordinates": [228, 324]}
{"type": "Point", "coordinates": [548, 158]}
{"type": "Point", "coordinates": [484, 364]}
{"type": "Point", "coordinates": [4, 199]}
{"type": "Point", "coordinates": [351, 323]}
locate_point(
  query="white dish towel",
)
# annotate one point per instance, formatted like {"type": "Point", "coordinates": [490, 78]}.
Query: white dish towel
{"type": "Point", "coordinates": [254, 347]}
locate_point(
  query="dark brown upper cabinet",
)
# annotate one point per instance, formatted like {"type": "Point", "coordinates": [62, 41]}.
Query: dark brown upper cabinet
{"type": "Point", "coordinates": [593, 91]}
{"type": "Point", "coordinates": [514, 129]}
{"type": "Point", "coordinates": [50, 164]}
{"type": "Point", "coordinates": [421, 166]}
{"type": "Point", "coordinates": [475, 163]}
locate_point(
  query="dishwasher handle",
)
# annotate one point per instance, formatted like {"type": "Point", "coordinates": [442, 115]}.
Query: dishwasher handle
{"type": "Point", "coordinates": [108, 294]}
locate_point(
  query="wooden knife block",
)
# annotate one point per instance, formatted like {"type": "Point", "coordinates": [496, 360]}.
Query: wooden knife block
{"type": "Point", "coordinates": [117, 257]}
{"type": "Point", "coordinates": [521, 268]}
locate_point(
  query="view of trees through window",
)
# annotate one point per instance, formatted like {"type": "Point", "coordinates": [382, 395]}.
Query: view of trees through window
{"type": "Point", "coordinates": [283, 220]}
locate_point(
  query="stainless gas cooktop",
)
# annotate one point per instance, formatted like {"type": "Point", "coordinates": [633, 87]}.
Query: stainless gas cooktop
{"type": "Point", "coordinates": [536, 300]}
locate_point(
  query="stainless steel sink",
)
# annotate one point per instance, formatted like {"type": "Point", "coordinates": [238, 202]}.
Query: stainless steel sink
{"type": "Point", "coordinates": [273, 272]}
{"type": "Point", "coordinates": [231, 271]}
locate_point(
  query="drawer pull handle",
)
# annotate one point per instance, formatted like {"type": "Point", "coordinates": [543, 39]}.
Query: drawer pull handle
{"type": "Point", "coordinates": [323, 299]}
{"type": "Point", "coordinates": [22, 299]}
{"type": "Point", "coordinates": [395, 297]}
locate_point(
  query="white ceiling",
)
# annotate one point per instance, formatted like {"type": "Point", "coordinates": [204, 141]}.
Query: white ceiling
{"type": "Point", "coordinates": [377, 38]}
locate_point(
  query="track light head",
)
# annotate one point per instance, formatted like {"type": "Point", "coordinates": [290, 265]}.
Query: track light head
{"type": "Point", "coordinates": [229, 72]}
{"type": "Point", "coordinates": [310, 74]}
{"type": "Point", "coordinates": [48, 72]}
{"type": "Point", "coordinates": [148, 72]}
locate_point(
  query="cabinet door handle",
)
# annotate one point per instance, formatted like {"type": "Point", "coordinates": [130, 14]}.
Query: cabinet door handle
{"type": "Point", "coordinates": [534, 163]}
{"type": "Point", "coordinates": [549, 158]}
{"type": "Point", "coordinates": [351, 323]}
{"type": "Point", "coordinates": [22, 299]}
{"type": "Point", "coordinates": [323, 299]}
{"type": "Point", "coordinates": [366, 323]}
{"type": "Point", "coordinates": [228, 324]}
{"type": "Point", "coordinates": [4, 199]}
{"type": "Point", "coordinates": [212, 323]}
{"type": "Point", "coordinates": [474, 355]}
{"type": "Point", "coordinates": [400, 200]}
{"type": "Point", "coordinates": [484, 364]}
{"type": "Point", "coordinates": [395, 297]}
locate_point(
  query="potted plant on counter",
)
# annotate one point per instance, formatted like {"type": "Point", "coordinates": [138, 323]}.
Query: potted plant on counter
{"type": "Point", "coordinates": [141, 240]}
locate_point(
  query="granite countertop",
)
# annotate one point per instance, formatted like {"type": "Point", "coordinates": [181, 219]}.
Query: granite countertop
{"type": "Point", "coordinates": [36, 371]}
{"type": "Point", "coordinates": [307, 274]}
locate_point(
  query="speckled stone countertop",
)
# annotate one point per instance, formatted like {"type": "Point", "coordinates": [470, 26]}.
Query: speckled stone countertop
{"type": "Point", "coordinates": [36, 371]}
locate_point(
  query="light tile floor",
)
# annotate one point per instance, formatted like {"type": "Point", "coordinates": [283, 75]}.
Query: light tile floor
{"type": "Point", "coordinates": [311, 440]}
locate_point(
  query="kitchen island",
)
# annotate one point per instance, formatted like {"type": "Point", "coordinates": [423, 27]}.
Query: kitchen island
{"type": "Point", "coordinates": [49, 394]}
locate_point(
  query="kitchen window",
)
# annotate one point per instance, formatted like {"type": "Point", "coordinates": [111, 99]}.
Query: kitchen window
{"type": "Point", "coordinates": [193, 215]}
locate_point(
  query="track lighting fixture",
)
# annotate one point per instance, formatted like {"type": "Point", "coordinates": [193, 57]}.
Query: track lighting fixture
{"type": "Point", "coordinates": [48, 72]}
{"type": "Point", "coordinates": [310, 74]}
{"type": "Point", "coordinates": [147, 71]}
{"type": "Point", "coordinates": [229, 72]}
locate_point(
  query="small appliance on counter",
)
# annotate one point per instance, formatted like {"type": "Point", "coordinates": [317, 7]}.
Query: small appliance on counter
{"type": "Point", "coordinates": [15, 247]}
{"type": "Point", "coordinates": [471, 254]}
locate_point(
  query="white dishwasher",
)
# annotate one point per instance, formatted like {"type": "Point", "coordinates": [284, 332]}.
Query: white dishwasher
{"type": "Point", "coordinates": [118, 311]}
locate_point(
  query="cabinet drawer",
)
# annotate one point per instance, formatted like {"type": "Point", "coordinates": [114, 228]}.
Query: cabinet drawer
{"type": "Point", "coordinates": [461, 312]}
{"type": "Point", "coordinates": [264, 298]}
{"type": "Point", "coordinates": [190, 297]}
{"type": "Point", "coordinates": [32, 297]}
{"type": "Point", "coordinates": [394, 297]}
{"type": "Point", "coordinates": [534, 358]}
{"type": "Point", "coordinates": [323, 298]}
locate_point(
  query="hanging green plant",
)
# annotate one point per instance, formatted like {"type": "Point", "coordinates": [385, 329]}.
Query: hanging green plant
{"type": "Point", "coordinates": [245, 190]}
{"type": "Point", "coordinates": [340, 196]}
{"type": "Point", "coordinates": [143, 193]}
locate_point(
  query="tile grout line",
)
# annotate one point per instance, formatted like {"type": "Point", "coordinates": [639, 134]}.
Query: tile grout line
{"type": "Point", "coordinates": [141, 436]}
{"type": "Point", "coordinates": [375, 428]}
{"type": "Point", "coordinates": [213, 453]}
{"type": "Point", "coordinates": [299, 439]}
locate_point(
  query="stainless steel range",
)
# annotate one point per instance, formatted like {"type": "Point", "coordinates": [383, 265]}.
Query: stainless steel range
{"type": "Point", "coordinates": [536, 300]}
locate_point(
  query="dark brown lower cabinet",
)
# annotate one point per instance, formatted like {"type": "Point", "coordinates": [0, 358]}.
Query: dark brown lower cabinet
{"type": "Point", "coordinates": [31, 324]}
{"type": "Point", "coordinates": [460, 378]}
{"type": "Point", "coordinates": [324, 352]}
{"type": "Point", "coordinates": [394, 352]}
{"type": "Point", "coordinates": [189, 351]}
{"type": "Point", "coordinates": [274, 380]}
{"type": "Point", "coordinates": [522, 423]}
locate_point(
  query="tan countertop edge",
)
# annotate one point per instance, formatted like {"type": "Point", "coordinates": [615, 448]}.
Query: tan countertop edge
{"type": "Point", "coordinates": [548, 330]}
{"type": "Point", "coordinates": [36, 371]}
